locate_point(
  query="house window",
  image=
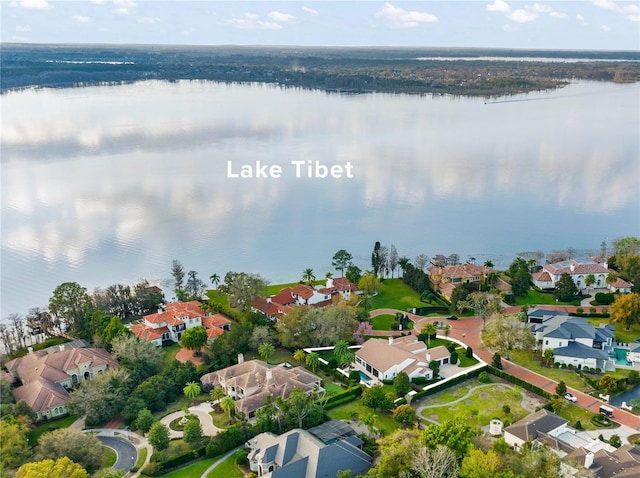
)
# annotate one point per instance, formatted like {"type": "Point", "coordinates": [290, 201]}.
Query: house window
{"type": "Point", "coordinates": [546, 342]}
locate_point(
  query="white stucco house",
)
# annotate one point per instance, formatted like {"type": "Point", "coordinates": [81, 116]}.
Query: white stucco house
{"type": "Point", "coordinates": [383, 359]}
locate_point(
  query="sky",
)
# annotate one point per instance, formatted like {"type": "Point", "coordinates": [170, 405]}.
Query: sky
{"type": "Point", "coordinates": [572, 25]}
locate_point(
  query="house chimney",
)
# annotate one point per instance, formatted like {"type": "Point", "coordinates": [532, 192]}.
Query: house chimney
{"type": "Point", "coordinates": [572, 267]}
{"type": "Point", "coordinates": [390, 340]}
{"type": "Point", "coordinates": [428, 357]}
{"type": "Point", "coordinates": [588, 460]}
{"type": "Point", "coordinates": [605, 265]}
{"type": "Point", "coordinates": [240, 358]}
{"type": "Point", "coordinates": [329, 282]}
{"type": "Point", "coordinates": [269, 376]}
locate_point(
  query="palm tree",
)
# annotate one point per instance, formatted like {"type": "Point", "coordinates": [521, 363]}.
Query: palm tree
{"type": "Point", "coordinates": [447, 330]}
{"type": "Point", "coordinates": [589, 280]}
{"type": "Point", "coordinates": [308, 276]}
{"type": "Point", "coordinates": [403, 262]}
{"type": "Point", "coordinates": [191, 390]}
{"type": "Point", "coordinates": [299, 355]}
{"type": "Point", "coordinates": [312, 360]}
{"type": "Point", "coordinates": [228, 404]}
{"type": "Point", "coordinates": [215, 279]}
{"type": "Point", "coordinates": [369, 420]}
{"type": "Point", "coordinates": [266, 351]}
{"type": "Point", "coordinates": [340, 350]}
{"type": "Point", "coordinates": [429, 330]}
{"type": "Point", "coordinates": [329, 274]}
{"type": "Point", "coordinates": [217, 394]}
{"type": "Point", "coordinates": [611, 279]}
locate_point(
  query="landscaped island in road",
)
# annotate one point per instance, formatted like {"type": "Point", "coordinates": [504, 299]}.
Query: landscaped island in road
{"type": "Point", "coordinates": [453, 71]}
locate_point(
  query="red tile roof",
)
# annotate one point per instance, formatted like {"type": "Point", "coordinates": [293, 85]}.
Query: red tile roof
{"type": "Point", "coordinates": [303, 291]}
{"type": "Point", "coordinates": [217, 320]}
{"type": "Point", "coordinates": [174, 313]}
{"type": "Point", "coordinates": [285, 297]}
{"type": "Point", "coordinates": [144, 332]}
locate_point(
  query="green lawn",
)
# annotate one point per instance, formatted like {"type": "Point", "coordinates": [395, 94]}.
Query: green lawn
{"type": "Point", "coordinates": [281, 355]}
{"type": "Point", "coordinates": [463, 360]}
{"type": "Point", "coordinates": [195, 470]}
{"type": "Point", "coordinates": [169, 353]}
{"type": "Point", "coordinates": [395, 294]}
{"type": "Point", "coordinates": [383, 322]}
{"type": "Point", "coordinates": [478, 408]}
{"type": "Point", "coordinates": [276, 288]}
{"type": "Point", "coordinates": [384, 421]}
{"type": "Point", "coordinates": [535, 297]}
{"type": "Point", "coordinates": [573, 413]}
{"type": "Point", "coordinates": [218, 297]}
{"type": "Point", "coordinates": [35, 434]}
{"type": "Point", "coordinates": [622, 335]}
{"type": "Point", "coordinates": [142, 456]}
{"type": "Point", "coordinates": [109, 457]}
{"type": "Point", "coordinates": [332, 389]}
{"type": "Point", "coordinates": [569, 377]}
{"type": "Point", "coordinates": [228, 468]}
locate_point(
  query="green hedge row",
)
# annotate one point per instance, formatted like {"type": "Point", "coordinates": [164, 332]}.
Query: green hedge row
{"type": "Point", "coordinates": [343, 397]}
{"type": "Point", "coordinates": [432, 309]}
{"type": "Point", "coordinates": [518, 381]}
{"type": "Point", "coordinates": [155, 468]}
{"type": "Point", "coordinates": [448, 383]}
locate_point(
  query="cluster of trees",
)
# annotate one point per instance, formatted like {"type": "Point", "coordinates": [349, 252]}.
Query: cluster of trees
{"type": "Point", "coordinates": [450, 450]}
{"type": "Point", "coordinates": [192, 289]}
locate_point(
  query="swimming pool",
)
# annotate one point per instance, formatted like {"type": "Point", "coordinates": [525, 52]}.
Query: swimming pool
{"type": "Point", "coordinates": [621, 357]}
{"type": "Point", "coordinates": [364, 377]}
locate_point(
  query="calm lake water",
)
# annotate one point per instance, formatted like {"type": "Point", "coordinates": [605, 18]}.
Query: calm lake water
{"type": "Point", "coordinates": [110, 184]}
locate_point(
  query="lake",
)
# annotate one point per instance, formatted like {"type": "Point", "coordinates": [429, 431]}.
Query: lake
{"type": "Point", "coordinates": [109, 184]}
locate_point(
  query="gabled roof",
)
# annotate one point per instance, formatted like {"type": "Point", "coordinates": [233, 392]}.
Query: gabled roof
{"type": "Point", "coordinates": [42, 394]}
{"type": "Point", "coordinates": [303, 291]}
{"type": "Point", "coordinates": [217, 320]}
{"type": "Point", "coordinates": [532, 426]}
{"type": "Point", "coordinates": [542, 276]}
{"type": "Point", "coordinates": [579, 268]}
{"type": "Point", "coordinates": [144, 332]}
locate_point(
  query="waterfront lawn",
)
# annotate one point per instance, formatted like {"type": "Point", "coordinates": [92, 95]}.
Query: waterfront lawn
{"type": "Point", "coordinates": [384, 421]}
{"type": "Point", "coordinates": [570, 377]}
{"type": "Point", "coordinates": [276, 288]}
{"type": "Point", "coordinates": [535, 297]}
{"type": "Point", "coordinates": [34, 435]}
{"type": "Point", "coordinates": [195, 470]}
{"type": "Point", "coordinates": [480, 407]}
{"type": "Point", "coordinates": [395, 294]}
{"type": "Point", "coordinates": [228, 468]}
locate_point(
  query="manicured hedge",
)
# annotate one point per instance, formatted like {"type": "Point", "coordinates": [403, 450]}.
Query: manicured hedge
{"type": "Point", "coordinates": [448, 383]}
{"type": "Point", "coordinates": [343, 397]}
{"type": "Point", "coordinates": [161, 467]}
{"type": "Point", "coordinates": [518, 381]}
{"type": "Point", "coordinates": [432, 309]}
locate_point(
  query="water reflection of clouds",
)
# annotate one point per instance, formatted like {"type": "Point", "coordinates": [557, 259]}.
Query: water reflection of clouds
{"type": "Point", "coordinates": [143, 162]}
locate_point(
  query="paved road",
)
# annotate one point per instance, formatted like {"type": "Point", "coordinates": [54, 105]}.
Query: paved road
{"type": "Point", "coordinates": [127, 453]}
{"type": "Point", "coordinates": [467, 330]}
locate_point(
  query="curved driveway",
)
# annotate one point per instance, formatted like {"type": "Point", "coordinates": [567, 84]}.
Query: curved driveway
{"type": "Point", "coordinates": [126, 452]}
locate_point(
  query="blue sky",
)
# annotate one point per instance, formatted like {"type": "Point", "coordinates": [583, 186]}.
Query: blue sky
{"type": "Point", "coordinates": [592, 25]}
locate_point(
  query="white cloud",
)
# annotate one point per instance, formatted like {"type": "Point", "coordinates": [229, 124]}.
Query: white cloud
{"type": "Point", "coordinates": [251, 21]}
{"type": "Point", "coordinates": [281, 17]}
{"type": "Point", "coordinates": [149, 20]}
{"type": "Point", "coordinates": [400, 18]}
{"type": "Point", "coordinates": [310, 11]}
{"type": "Point", "coordinates": [510, 28]}
{"type": "Point", "coordinates": [630, 11]}
{"type": "Point", "coordinates": [81, 19]}
{"type": "Point", "coordinates": [124, 7]}
{"type": "Point", "coordinates": [539, 8]}
{"type": "Point", "coordinates": [522, 16]}
{"type": "Point", "coordinates": [498, 6]}
{"type": "Point", "coordinates": [580, 18]}
{"type": "Point", "coordinates": [558, 15]}
{"type": "Point", "coordinates": [32, 4]}
{"type": "Point", "coordinates": [605, 28]}
{"type": "Point", "coordinates": [23, 28]}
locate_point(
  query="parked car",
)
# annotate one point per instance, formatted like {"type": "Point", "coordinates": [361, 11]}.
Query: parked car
{"type": "Point", "coordinates": [571, 397]}
{"type": "Point", "coordinates": [452, 317]}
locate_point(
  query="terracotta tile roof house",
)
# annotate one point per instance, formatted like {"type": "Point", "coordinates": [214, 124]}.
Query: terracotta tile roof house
{"type": "Point", "coordinates": [383, 359]}
{"type": "Point", "coordinates": [168, 325]}
{"type": "Point", "coordinates": [299, 454]}
{"type": "Point", "coordinates": [251, 382]}
{"type": "Point", "coordinates": [47, 374]}
{"type": "Point", "coordinates": [455, 275]}
{"type": "Point", "coordinates": [579, 270]}
{"type": "Point", "coordinates": [276, 306]}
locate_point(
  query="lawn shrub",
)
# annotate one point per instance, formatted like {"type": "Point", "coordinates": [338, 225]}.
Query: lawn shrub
{"type": "Point", "coordinates": [343, 397]}
{"type": "Point", "coordinates": [469, 352]}
{"type": "Point", "coordinates": [243, 457]}
{"type": "Point", "coordinates": [454, 357]}
{"type": "Point", "coordinates": [604, 298]}
{"type": "Point", "coordinates": [484, 378]}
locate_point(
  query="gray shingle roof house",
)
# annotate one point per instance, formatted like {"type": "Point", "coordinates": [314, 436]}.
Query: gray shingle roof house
{"type": "Point", "coordinates": [299, 454]}
{"type": "Point", "coordinates": [574, 340]}
{"type": "Point", "coordinates": [536, 426]}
